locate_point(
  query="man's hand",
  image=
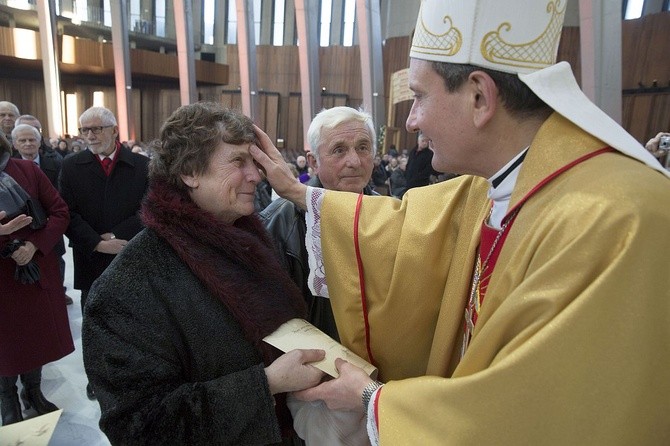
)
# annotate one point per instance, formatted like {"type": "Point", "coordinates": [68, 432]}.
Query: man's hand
{"type": "Point", "coordinates": [24, 254]}
{"type": "Point", "coordinates": [343, 393]}
{"type": "Point", "coordinates": [113, 246]}
{"type": "Point", "coordinates": [276, 170]}
{"type": "Point", "coordinates": [15, 224]}
{"type": "Point", "coordinates": [291, 371]}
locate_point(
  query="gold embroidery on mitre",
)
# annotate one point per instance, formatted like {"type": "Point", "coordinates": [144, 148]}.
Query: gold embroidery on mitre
{"type": "Point", "coordinates": [446, 44]}
{"type": "Point", "coordinates": [538, 53]}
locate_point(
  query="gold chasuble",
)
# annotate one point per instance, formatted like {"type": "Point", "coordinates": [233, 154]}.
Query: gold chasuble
{"type": "Point", "coordinates": [579, 300]}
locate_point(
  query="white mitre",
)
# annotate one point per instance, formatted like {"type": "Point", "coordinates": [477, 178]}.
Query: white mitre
{"type": "Point", "coordinates": [519, 37]}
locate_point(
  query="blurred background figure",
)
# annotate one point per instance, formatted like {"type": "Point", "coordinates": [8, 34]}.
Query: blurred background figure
{"type": "Point", "coordinates": [8, 114]}
{"type": "Point", "coordinates": [659, 146]}
{"type": "Point", "coordinates": [398, 179]}
{"type": "Point", "coordinates": [419, 168]}
{"type": "Point", "coordinates": [34, 327]}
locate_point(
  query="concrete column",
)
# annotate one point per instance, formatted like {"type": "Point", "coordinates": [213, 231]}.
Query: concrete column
{"type": "Point", "coordinates": [336, 23]}
{"type": "Point", "coordinates": [49, 46]}
{"type": "Point", "coordinates": [307, 20]}
{"type": "Point", "coordinates": [267, 16]}
{"type": "Point", "coordinates": [372, 68]}
{"type": "Point", "coordinates": [221, 14]}
{"type": "Point", "coordinates": [183, 22]}
{"type": "Point", "coordinates": [122, 76]}
{"type": "Point", "coordinates": [289, 23]}
{"type": "Point", "coordinates": [246, 46]}
{"type": "Point", "coordinates": [600, 36]}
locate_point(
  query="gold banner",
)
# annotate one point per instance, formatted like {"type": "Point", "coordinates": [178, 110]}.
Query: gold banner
{"type": "Point", "coordinates": [400, 87]}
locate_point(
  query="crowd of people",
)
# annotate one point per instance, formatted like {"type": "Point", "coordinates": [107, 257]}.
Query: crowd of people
{"type": "Point", "coordinates": [523, 302]}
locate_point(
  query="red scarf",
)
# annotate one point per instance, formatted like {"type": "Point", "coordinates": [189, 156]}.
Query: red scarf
{"type": "Point", "coordinates": [237, 263]}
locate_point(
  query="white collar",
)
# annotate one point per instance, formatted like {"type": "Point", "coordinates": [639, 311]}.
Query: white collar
{"type": "Point", "coordinates": [502, 194]}
{"type": "Point", "coordinates": [110, 156]}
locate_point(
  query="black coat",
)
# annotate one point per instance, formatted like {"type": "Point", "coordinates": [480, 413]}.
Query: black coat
{"type": "Point", "coordinates": [168, 361]}
{"type": "Point", "coordinates": [419, 168]}
{"type": "Point", "coordinates": [100, 204]}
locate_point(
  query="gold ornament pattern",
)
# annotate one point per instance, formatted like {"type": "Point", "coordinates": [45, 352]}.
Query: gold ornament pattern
{"type": "Point", "coordinates": [445, 44]}
{"type": "Point", "coordinates": [538, 53]}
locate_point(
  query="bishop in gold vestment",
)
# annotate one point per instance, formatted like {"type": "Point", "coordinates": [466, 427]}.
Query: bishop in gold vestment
{"type": "Point", "coordinates": [578, 306]}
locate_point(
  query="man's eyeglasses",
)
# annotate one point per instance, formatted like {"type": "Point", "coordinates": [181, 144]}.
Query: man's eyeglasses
{"type": "Point", "coordinates": [96, 130]}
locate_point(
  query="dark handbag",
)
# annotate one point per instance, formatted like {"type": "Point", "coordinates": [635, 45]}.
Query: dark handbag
{"type": "Point", "coordinates": [34, 209]}
{"type": "Point", "coordinates": [26, 274]}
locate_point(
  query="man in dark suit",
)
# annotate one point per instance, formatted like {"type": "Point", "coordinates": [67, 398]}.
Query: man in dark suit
{"type": "Point", "coordinates": [103, 187]}
{"type": "Point", "coordinates": [419, 164]}
{"type": "Point", "coordinates": [29, 145]}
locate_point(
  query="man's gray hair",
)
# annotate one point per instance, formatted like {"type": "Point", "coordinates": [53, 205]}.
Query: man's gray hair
{"type": "Point", "coordinates": [332, 117]}
{"type": "Point", "coordinates": [105, 115]}
{"type": "Point", "coordinates": [22, 118]}
{"type": "Point", "coordinates": [14, 108]}
{"type": "Point", "coordinates": [21, 127]}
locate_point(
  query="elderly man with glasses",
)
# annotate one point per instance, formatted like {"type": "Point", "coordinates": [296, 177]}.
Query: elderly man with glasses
{"type": "Point", "coordinates": [103, 187]}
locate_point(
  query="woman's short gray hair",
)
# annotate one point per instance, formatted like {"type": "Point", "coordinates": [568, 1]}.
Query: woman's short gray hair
{"type": "Point", "coordinates": [190, 136]}
{"type": "Point", "coordinates": [332, 117]}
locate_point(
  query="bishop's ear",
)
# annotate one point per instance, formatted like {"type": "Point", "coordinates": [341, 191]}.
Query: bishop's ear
{"type": "Point", "coordinates": [485, 97]}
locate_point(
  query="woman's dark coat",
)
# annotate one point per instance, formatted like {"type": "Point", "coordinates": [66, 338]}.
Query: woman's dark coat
{"type": "Point", "coordinates": [194, 377]}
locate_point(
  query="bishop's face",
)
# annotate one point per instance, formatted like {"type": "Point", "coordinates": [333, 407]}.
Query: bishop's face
{"type": "Point", "coordinates": [443, 118]}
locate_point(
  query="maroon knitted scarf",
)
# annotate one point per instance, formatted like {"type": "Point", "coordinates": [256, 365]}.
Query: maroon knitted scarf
{"type": "Point", "coordinates": [237, 263]}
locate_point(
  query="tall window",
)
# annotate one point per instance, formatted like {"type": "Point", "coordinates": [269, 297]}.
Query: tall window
{"type": "Point", "coordinates": [231, 34]}
{"type": "Point", "coordinates": [106, 13]}
{"type": "Point", "coordinates": [634, 9]}
{"type": "Point", "coordinates": [278, 23]}
{"type": "Point", "coordinates": [81, 11]}
{"type": "Point", "coordinates": [135, 19]}
{"type": "Point", "coordinates": [326, 18]}
{"type": "Point", "coordinates": [208, 22]}
{"type": "Point", "coordinates": [258, 9]}
{"type": "Point", "coordinates": [160, 18]}
{"type": "Point", "coordinates": [349, 16]}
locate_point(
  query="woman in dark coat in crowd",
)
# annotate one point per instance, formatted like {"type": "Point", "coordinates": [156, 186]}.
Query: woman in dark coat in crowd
{"type": "Point", "coordinates": [173, 328]}
{"type": "Point", "coordinates": [34, 327]}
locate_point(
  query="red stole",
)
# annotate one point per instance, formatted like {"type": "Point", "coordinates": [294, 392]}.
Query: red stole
{"type": "Point", "coordinates": [490, 246]}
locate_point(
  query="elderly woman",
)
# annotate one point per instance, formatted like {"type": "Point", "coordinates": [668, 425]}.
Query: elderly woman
{"type": "Point", "coordinates": [173, 329]}
{"type": "Point", "coordinates": [34, 327]}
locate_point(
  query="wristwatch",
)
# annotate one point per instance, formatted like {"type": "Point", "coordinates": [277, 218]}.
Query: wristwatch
{"type": "Point", "coordinates": [367, 394]}
{"type": "Point", "coordinates": [112, 237]}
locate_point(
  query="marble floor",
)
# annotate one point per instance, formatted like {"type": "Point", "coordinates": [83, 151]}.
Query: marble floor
{"type": "Point", "coordinates": [64, 384]}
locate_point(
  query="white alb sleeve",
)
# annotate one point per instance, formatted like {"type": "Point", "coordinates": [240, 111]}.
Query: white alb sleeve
{"type": "Point", "coordinates": [373, 429]}
{"type": "Point", "coordinates": [317, 274]}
